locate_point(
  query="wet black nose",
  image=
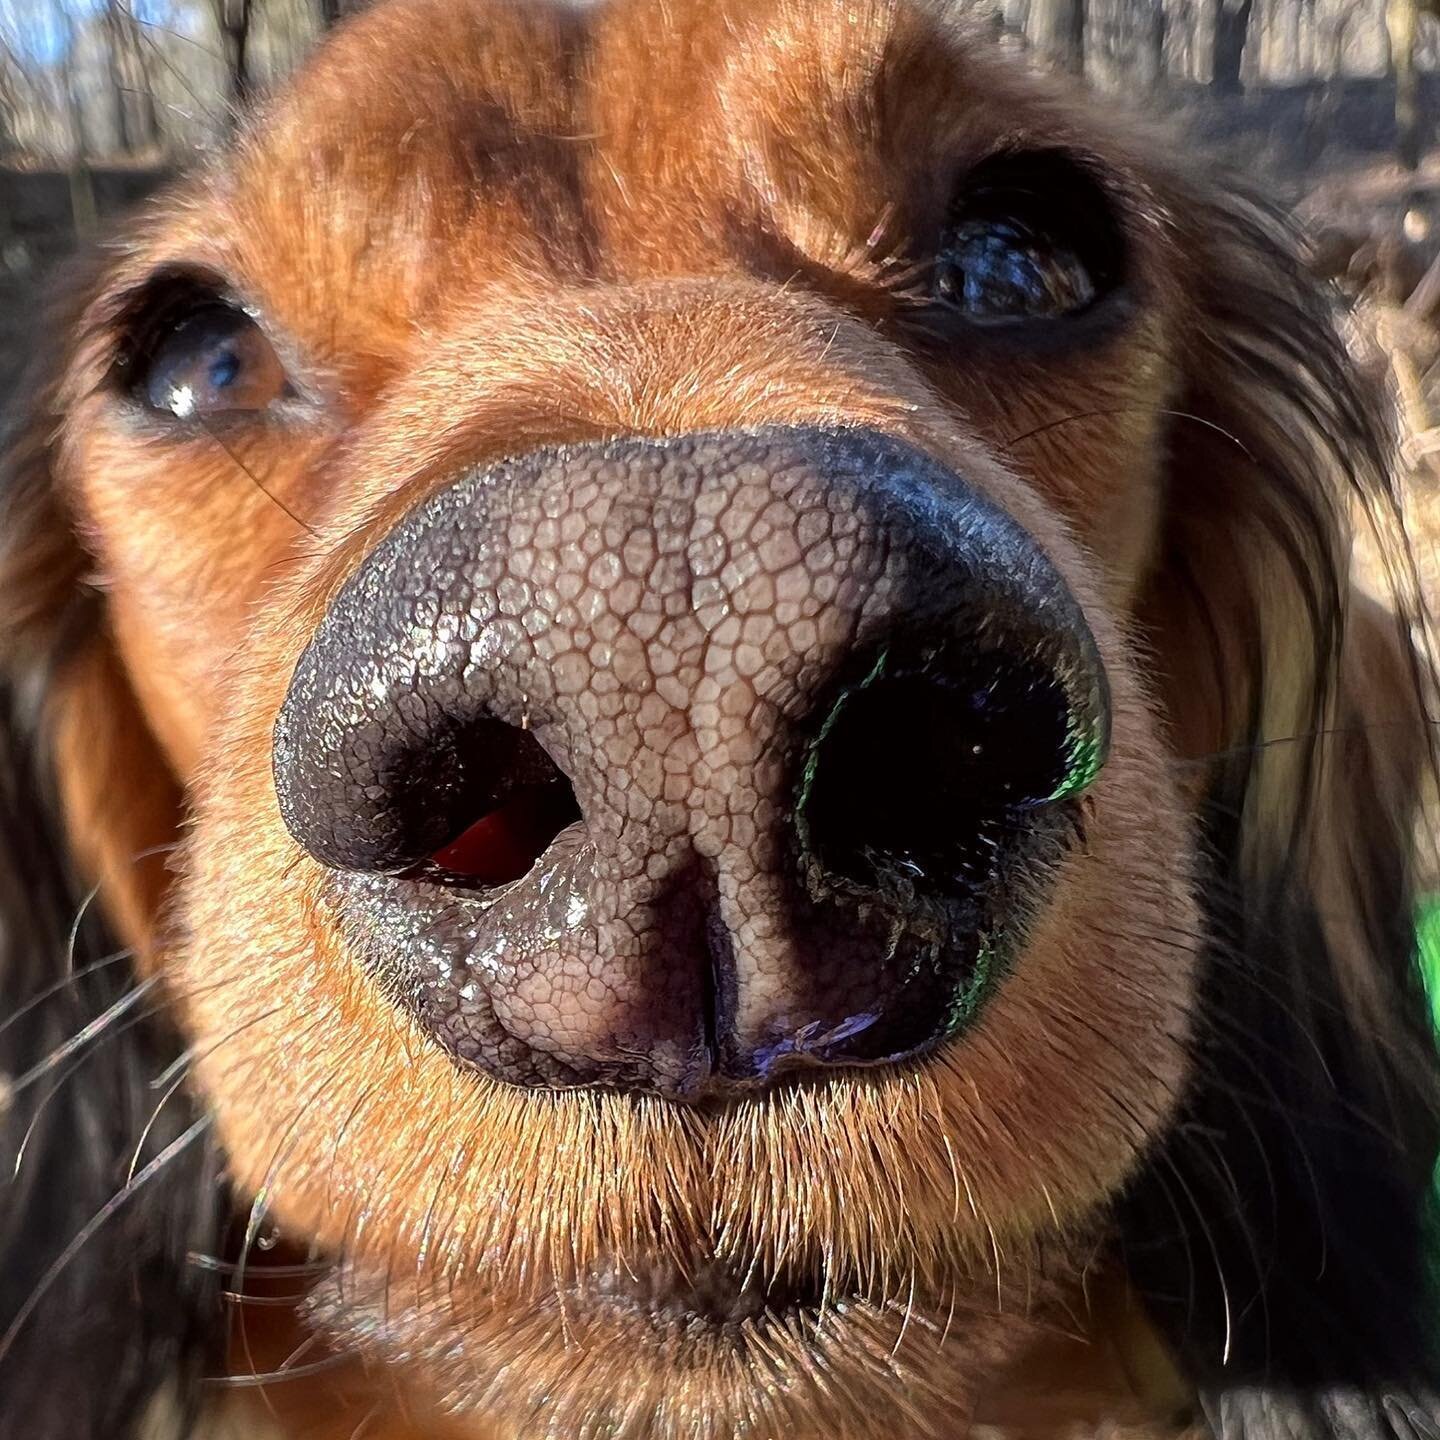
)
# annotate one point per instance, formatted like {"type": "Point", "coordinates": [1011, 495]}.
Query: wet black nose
{"type": "Point", "coordinates": [681, 764]}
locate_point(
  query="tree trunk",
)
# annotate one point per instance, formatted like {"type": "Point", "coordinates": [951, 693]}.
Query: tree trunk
{"type": "Point", "coordinates": [115, 64]}
{"type": "Point", "coordinates": [1294, 46]}
{"type": "Point", "coordinates": [1060, 33]}
{"type": "Point", "coordinates": [233, 19]}
{"type": "Point", "coordinates": [1402, 21]}
{"type": "Point", "coordinates": [126, 35]}
{"type": "Point", "coordinates": [82, 182]}
{"type": "Point", "coordinates": [9, 106]}
{"type": "Point", "coordinates": [146, 85]}
{"type": "Point", "coordinates": [1150, 57]}
{"type": "Point", "coordinates": [1232, 29]}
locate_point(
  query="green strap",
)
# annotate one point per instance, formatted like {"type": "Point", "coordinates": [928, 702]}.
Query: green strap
{"type": "Point", "coordinates": [1427, 934]}
{"type": "Point", "coordinates": [1427, 947]}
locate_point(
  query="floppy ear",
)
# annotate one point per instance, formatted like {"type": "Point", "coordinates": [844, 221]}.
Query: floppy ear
{"type": "Point", "coordinates": [1284, 1231]}
{"type": "Point", "coordinates": [108, 1185]}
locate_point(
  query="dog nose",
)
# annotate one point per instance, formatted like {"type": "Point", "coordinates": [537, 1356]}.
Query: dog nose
{"type": "Point", "coordinates": [681, 764]}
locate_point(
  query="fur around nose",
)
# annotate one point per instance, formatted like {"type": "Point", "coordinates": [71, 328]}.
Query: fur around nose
{"type": "Point", "coordinates": [788, 727]}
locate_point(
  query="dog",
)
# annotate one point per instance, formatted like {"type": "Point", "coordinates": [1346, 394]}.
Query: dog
{"type": "Point", "coordinates": [691, 754]}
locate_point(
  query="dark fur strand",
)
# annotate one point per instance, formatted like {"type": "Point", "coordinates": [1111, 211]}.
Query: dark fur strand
{"type": "Point", "coordinates": [1284, 1230]}
{"type": "Point", "coordinates": [105, 1323]}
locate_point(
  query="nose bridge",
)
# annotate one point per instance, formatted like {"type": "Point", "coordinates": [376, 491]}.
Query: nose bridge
{"type": "Point", "coordinates": [693, 594]}
{"type": "Point", "coordinates": [673, 358]}
{"type": "Point", "coordinates": [728, 577]}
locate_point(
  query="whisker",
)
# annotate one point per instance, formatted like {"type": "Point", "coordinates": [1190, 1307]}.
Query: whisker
{"type": "Point", "coordinates": [94, 893]}
{"type": "Point", "coordinates": [220, 1266]}
{"type": "Point", "coordinates": [366, 1421]}
{"type": "Point", "coordinates": [150, 1123]}
{"type": "Point", "coordinates": [1132, 410]}
{"type": "Point", "coordinates": [259, 1208]}
{"type": "Point", "coordinates": [181, 1062]}
{"type": "Point", "coordinates": [85, 1035]}
{"type": "Point", "coordinates": [143, 29]}
{"type": "Point", "coordinates": [258, 1379]}
{"type": "Point", "coordinates": [255, 480]}
{"type": "Point", "coordinates": [275, 1302]}
{"type": "Point", "coordinates": [1325, 732]}
{"type": "Point", "coordinates": [112, 1207]}
{"type": "Point", "coordinates": [1197, 1209]}
{"type": "Point", "coordinates": [60, 1082]}
{"type": "Point", "coordinates": [51, 991]}
{"type": "Point", "coordinates": [74, 936]}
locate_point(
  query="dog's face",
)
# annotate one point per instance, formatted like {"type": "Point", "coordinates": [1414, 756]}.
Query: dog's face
{"type": "Point", "coordinates": [642, 539]}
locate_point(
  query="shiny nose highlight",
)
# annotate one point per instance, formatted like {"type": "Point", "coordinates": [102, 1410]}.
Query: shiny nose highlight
{"type": "Point", "coordinates": [679, 765]}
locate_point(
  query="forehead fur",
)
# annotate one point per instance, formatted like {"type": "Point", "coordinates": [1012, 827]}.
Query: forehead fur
{"type": "Point", "coordinates": [537, 143]}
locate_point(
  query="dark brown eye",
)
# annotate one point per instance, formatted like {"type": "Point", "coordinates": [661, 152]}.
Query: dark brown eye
{"type": "Point", "coordinates": [1030, 237]}
{"type": "Point", "coordinates": [209, 361]}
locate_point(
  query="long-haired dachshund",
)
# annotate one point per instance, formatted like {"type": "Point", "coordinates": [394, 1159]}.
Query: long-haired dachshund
{"type": "Point", "coordinates": [691, 756]}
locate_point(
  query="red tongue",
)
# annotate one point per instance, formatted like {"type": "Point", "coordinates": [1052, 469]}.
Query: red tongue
{"type": "Point", "coordinates": [503, 845]}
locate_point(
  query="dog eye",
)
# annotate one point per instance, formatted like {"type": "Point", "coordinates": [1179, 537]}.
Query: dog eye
{"type": "Point", "coordinates": [1029, 237]}
{"type": "Point", "coordinates": [212, 360]}
{"type": "Point", "coordinates": [1005, 270]}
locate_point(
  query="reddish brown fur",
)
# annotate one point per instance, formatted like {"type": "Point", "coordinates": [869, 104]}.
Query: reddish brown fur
{"type": "Point", "coordinates": [408, 222]}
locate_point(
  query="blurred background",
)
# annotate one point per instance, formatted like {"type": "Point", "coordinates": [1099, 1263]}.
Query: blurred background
{"type": "Point", "coordinates": [1329, 103]}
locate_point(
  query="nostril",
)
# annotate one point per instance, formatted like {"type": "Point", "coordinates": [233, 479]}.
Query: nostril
{"type": "Point", "coordinates": [465, 800]}
{"type": "Point", "coordinates": [925, 765]}
{"type": "Point", "coordinates": [504, 842]}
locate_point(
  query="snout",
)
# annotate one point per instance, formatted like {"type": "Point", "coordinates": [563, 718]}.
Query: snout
{"type": "Point", "coordinates": [677, 765]}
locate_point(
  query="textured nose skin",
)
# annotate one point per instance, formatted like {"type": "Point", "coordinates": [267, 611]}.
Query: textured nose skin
{"type": "Point", "coordinates": [772, 666]}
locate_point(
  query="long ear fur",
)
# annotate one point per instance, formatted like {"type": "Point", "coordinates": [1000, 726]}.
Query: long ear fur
{"type": "Point", "coordinates": [1284, 1232]}
{"type": "Point", "coordinates": [109, 1187]}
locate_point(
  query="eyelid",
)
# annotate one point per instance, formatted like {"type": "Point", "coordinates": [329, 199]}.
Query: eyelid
{"type": "Point", "coordinates": [141, 315]}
